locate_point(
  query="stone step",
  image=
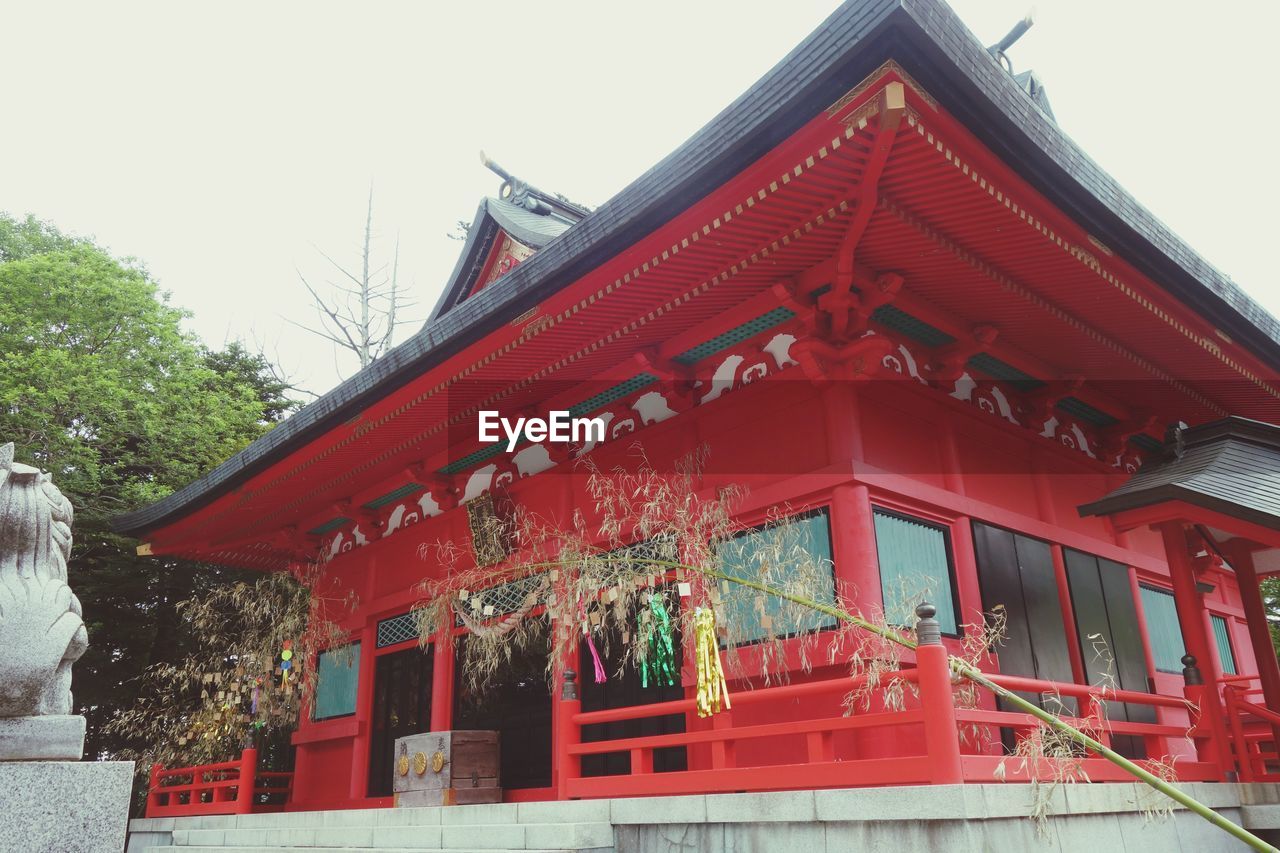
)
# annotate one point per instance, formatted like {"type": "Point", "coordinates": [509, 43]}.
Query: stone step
{"type": "Point", "coordinates": [575, 811]}
{"type": "Point", "coordinates": [1263, 816]}
{"type": "Point", "coordinates": [273, 849]}
{"type": "Point", "coordinates": [498, 836]}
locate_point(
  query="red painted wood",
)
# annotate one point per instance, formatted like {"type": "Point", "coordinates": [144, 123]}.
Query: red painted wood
{"type": "Point", "coordinates": [358, 777]}
{"type": "Point", "coordinates": [982, 769]}
{"type": "Point", "coordinates": [1195, 635]}
{"type": "Point", "coordinates": [778, 777]}
{"type": "Point", "coordinates": [902, 443]}
{"type": "Point", "coordinates": [442, 683]}
{"type": "Point", "coordinates": [1264, 653]}
{"type": "Point", "coordinates": [738, 733]}
{"type": "Point", "coordinates": [723, 754]}
{"type": "Point", "coordinates": [227, 787]}
{"type": "Point", "coordinates": [938, 710]}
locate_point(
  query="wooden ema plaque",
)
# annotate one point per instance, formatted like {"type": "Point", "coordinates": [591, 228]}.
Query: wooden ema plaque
{"type": "Point", "coordinates": [446, 769]}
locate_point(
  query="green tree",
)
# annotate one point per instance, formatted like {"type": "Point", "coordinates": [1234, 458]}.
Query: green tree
{"type": "Point", "coordinates": [1271, 602]}
{"type": "Point", "coordinates": [101, 385]}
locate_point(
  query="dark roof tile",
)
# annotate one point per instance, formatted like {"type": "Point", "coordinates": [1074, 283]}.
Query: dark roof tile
{"type": "Point", "coordinates": [929, 40]}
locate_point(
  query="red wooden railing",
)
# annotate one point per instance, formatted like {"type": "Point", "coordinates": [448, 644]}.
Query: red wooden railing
{"type": "Point", "coordinates": [1159, 739]}
{"type": "Point", "coordinates": [1254, 729]}
{"type": "Point", "coordinates": [938, 756]}
{"type": "Point", "coordinates": [210, 789]}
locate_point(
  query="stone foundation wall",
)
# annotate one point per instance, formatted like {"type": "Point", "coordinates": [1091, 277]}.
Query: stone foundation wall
{"type": "Point", "coordinates": [1085, 818]}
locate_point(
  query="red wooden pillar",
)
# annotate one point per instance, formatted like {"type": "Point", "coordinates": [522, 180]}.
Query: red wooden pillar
{"type": "Point", "coordinates": [941, 734]}
{"type": "Point", "coordinates": [248, 781]}
{"type": "Point", "coordinates": [857, 566]}
{"type": "Point", "coordinates": [844, 433]}
{"type": "Point", "coordinates": [854, 543]}
{"type": "Point", "coordinates": [359, 786]}
{"type": "Point", "coordinates": [442, 680]}
{"type": "Point", "coordinates": [153, 792]}
{"type": "Point", "coordinates": [566, 766]}
{"type": "Point", "coordinates": [1191, 617]}
{"type": "Point", "coordinates": [952, 470]}
{"type": "Point", "coordinates": [1256, 620]}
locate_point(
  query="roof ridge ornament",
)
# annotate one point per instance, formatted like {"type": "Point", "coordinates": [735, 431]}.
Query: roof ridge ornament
{"type": "Point", "coordinates": [526, 195]}
{"type": "Point", "coordinates": [1027, 80]}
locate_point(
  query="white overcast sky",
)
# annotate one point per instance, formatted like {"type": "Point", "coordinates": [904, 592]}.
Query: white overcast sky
{"type": "Point", "coordinates": [221, 143]}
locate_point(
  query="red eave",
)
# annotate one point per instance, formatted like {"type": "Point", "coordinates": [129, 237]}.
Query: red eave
{"type": "Point", "coordinates": [974, 244]}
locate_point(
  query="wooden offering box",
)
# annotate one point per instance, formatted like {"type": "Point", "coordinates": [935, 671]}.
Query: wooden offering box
{"type": "Point", "coordinates": [446, 769]}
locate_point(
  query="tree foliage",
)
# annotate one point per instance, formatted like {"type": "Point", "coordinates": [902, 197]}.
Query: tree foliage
{"type": "Point", "coordinates": [101, 385]}
{"type": "Point", "coordinates": [245, 677]}
{"type": "Point", "coordinates": [1271, 602]}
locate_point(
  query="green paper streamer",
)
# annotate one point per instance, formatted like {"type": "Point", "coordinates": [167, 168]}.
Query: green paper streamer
{"type": "Point", "coordinates": [659, 662]}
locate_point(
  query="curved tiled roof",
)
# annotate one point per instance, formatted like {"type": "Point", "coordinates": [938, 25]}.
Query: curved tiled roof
{"type": "Point", "coordinates": [534, 230]}
{"type": "Point", "coordinates": [1230, 466]}
{"type": "Point", "coordinates": [926, 38]}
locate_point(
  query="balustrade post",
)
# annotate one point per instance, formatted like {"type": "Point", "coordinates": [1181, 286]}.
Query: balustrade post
{"type": "Point", "coordinates": [1193, 692]}
{"type": "Point", "coordinates": [153, 791]}
{"type": "Point", "coordinates": [723, 753]}
{"type": "Point", "coordinates": [569, 733]}
{"type": "Point", "coordinates": [1240, 746]}
{"type": "Point", "coordinates": [1093, 708]}
{"type": "Point", "coordinates": [248, 781]}
{"type": "Point", "coordinates": [937, 702]}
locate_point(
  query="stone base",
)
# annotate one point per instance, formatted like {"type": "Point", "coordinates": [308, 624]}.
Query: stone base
{"type": "Point", "coordinates": [1105, 817]}
{"type": "Point", "coordinates": [64, 806]}
{"type": "Point", "coordinates": [49, 738]}
{"type": "Point", "coordinates": [446, 797]}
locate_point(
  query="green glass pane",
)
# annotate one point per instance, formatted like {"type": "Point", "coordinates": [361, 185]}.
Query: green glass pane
{"type": "Point", "coordinates": [914, 567]}
{"type": "Point", "coordinates": [794, 554]}
{"type": "Point", "coordinates": [1163, 629]}
{"type": "Point", "coordinates": [337, 674]}
{"type": "Point", "coordinates": [1222, 636]}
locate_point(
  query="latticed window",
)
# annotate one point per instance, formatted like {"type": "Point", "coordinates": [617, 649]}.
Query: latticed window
{"type": "Point", "coordinates": [337, 675]}
{"type": "Point", "coordinates": [915, 565]}
{"type": "Point", "coordinates": [1222, 638]}
{"type": "Point", "coordinates": [755, 616]}
{"type": "Point", "coordinates": [503, 598]}
{"type": "Point", "coordinates": [1163, 629]}
{"type": "Point", "coordinates": [397, 629]}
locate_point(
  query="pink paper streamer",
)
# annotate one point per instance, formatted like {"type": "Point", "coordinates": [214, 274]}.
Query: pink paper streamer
{"type": "Point", "coordinates": [601, 676]}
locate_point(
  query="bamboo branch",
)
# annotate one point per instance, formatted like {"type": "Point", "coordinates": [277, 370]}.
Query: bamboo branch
{"type": "Point", "coordinates": [965, 670]}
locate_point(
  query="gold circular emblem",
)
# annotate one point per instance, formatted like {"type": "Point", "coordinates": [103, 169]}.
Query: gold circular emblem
{"type": "Point", "coordinates": [419, 763]}
{"type": "Point", "coordinates": [437, 761]}
{"type": "Point", "coordinates": [403, 765]}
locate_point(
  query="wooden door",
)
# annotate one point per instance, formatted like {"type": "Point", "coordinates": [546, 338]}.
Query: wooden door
{"type": "Point", "coordinates": [1110, 642]}
{"type": "Point", "coordinates": [516, 703]}
{"type": "Point", "coordinates": [401, 706]}
{"type": "Point", "coordinates": [1016, 572]}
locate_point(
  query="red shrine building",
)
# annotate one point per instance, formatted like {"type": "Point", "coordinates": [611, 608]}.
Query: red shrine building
{"type": "Point", "coordinates": [891, 297]}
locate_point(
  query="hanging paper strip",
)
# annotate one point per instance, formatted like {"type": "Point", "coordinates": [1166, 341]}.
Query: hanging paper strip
{"type": "Point", "coordinates": [601, 676]}
{"type": "Point", "coordinates": [711, 685]}
{"type": "Point", "coordinates": [659, 664]}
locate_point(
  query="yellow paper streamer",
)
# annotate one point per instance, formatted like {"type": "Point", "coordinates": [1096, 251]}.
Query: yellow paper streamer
{"type": "Point", "coordinates": [711, 685]}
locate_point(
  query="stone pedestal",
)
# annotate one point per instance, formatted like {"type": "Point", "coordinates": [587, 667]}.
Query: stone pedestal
{"type": "Point", "coordinates": [64, 806]}
{"type": "Point", "coordinates": [57, 737]}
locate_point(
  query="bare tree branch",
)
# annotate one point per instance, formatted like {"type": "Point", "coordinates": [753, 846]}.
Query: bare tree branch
{"type": "Point", "coordinates": [361, 314]}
